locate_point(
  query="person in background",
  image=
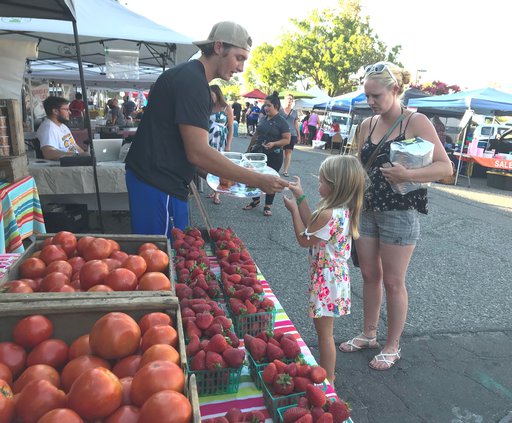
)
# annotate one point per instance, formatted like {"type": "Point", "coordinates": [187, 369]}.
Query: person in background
{"type": "Point", "coordinates": [55, 138]}
{"type": "Point", "coordinates": [129, 107]}
{"type": "Point", "coordinates": [292, 118]}
{"type": "Point", "coordinates": [244, 115]}
{"type": "Point", "coordinates": [389, 224]}
{"type": "Point", "coordinates": [440, 129]}
{"type": "Point", "coordinates": [328, 233]}
{"type": "Point", "coordinates": [171, 141]}
{"type": "Point", "coordinates": [116, 115]}
{"type": "Point", "coordinates": [220, 131]}
{"type": "Point", "coordinates": [252, 118]}
{"type": "Point", "coordinates": [305, 132]}
{"type": "Point", "coordinates": [237, 110]}
{"type": "Point", "coordinates": [77, 111]}
{"type": "Point", "coordinates": [313, 122]}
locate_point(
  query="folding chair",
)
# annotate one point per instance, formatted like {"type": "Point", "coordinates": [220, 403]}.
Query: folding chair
{"type": "Point", "coordinates": [337, 139]}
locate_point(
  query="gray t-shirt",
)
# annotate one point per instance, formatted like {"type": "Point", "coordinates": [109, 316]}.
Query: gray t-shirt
{"type": "Point", "coordinates": [290, 118]}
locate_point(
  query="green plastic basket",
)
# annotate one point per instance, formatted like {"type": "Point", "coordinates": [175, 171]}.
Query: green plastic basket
{"type": "Point", "coordinates": [282, 410]}
{"type": "Point", "coordinates": [253, 324]}
{"type": "Point", "coordinates": [222, 381]}
{"type": "Point", "coordinates": [255, 367]}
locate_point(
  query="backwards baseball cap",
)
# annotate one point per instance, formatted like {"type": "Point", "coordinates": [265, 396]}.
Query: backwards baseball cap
{"type": "Point", "coordinates": [230, 33]}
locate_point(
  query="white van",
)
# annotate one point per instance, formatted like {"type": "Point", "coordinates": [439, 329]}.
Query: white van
{"type": "Point", "coordinates": [487, 131]}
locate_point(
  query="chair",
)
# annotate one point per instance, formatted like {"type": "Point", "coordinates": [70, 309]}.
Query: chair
{"type": "Point", "coordinates": [337, 139]}
{"type": "Point", "coordinates": [35, 145]}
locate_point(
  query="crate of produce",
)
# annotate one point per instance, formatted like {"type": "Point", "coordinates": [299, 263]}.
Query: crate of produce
{"type": "Point", "coordinates": [252, 323]}
{"type": "Point", "coordinates": [128, 244]}
{"type": "Point", "coordinates": [71, 320]}
{"type": "Point", "coordinates": [216, 382]}
{"type": "Point", "coordinates": [256, 367]}
{"type": "Point", "coordinates": [339, 409]}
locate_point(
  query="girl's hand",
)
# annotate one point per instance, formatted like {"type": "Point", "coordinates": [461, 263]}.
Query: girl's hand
{"type": "Point", "coordinates": [395, 174]}
{"type": "Point", "coordinates": [296, 188]}
{"type": "Point", "coordinates": [290, 203]}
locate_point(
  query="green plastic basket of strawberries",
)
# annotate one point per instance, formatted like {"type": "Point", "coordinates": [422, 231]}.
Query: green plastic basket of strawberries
{"type": "Point", "coordinates": [284, 384]}
{"type": "Point", "coordinates": [333, 410]}
{"type": "Point", "coordinates": [252, 316]}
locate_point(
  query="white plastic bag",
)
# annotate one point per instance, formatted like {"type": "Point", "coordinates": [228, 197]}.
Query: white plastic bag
{"type": "Point", "coordinates": [318, 144]}
{"type": "Point", "coordinates": [412, 153]}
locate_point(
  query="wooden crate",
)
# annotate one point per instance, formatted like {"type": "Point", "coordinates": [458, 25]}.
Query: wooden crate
{"type": "Point", "coordinates": [128, 243]}
{"type": "Point", "coordinates": [13, 168]}
{"type": "Point", "coordinates": [12, 109]}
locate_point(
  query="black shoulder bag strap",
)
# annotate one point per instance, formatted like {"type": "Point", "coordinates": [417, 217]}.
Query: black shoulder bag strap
{"type": "Point", "coordinates": [382, 141]}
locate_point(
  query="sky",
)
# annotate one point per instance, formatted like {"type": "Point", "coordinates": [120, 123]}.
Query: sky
{"type": "Point", "coordinates": [454, 41]}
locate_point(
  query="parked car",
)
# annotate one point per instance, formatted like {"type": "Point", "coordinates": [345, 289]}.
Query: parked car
{"type": "Point", "coordinates": [502, 143]}
{"type": "Point", "coordinates": [487, 131]}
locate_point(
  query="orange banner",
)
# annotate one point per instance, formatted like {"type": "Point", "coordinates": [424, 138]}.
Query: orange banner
{"type": "Point", "coordinates": [493, 162]}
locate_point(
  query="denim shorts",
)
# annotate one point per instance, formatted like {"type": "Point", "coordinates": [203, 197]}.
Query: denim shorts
{"type": "Point", "coordinates": [397, 227]}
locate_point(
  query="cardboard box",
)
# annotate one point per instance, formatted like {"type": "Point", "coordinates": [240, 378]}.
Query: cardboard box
{"type": "Point", "coordinates": [13, 168]}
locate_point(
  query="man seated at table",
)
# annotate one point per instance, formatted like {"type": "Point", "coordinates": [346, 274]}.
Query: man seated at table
{"type": "Point", "coordinates": [54, 136]}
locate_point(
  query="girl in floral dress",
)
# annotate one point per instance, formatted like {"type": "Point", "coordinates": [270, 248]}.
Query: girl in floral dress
{"type": "Point", "coordinates": [328, 233]}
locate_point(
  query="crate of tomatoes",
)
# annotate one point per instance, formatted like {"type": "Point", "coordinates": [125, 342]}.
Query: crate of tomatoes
{"type": "Point", "coordinates": [123, 360]}
{"type": "Point", "coordinates": [74, 263]}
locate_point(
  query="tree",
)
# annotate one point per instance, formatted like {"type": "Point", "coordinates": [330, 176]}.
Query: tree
{"type": "Point", "coordinates": [327, 48]}
{"type": "Point", "coordinates": [436, 88]}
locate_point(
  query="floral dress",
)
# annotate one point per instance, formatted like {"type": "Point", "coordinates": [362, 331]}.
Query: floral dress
{"type": "Point", "coordinates": [218, 132]}
{"type": "Point", "coordinates": [329, 289]}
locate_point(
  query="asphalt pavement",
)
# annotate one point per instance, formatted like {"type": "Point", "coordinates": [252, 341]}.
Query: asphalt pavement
{"type": "Point", "coordinates": [456, 364]}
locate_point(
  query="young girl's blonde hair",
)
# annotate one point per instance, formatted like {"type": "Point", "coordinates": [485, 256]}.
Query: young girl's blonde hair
{"type": "Point", "coordinates": [346, 179]}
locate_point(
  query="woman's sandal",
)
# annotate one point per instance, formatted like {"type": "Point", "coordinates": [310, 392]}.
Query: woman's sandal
{"type": "Point", "coordinates": [385, 358]}
{"type": "Point", "coordinates": [367, 343]}
{"type": "Point", "coordinates": [286, 174]}
{"type": "Point", "coordinates": [216, 200]}
{"type": "Point", "coordinates": [252, 205]}
{"type": "Point", "coordinates": [266, 211]}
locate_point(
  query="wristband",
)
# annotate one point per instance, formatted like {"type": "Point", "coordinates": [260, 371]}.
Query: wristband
{"type": "Point", "coordinates": [301, 199]}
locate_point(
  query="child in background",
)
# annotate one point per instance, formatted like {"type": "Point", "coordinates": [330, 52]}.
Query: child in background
{"type": "Point", "coordinates": [328, 233]}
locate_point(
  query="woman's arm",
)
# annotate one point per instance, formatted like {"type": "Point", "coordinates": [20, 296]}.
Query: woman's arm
{"type": "Point", "coordinates": [229, 113]}
{"type": "Point", "coordinates": [285, 140]}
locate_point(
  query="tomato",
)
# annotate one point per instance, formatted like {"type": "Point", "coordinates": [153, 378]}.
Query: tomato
{"type": "Point", "coordinates": [160, 334]}
{"type": "Point", "coordinates": [5, 373]}
{"type": "Point", "coordinates": [97, 249]}
{"type": "Point", "coordinates": [79, 346]}
{"type": "Point", "coordinates": [64, 288]}
{"type": "Point", "coordinates": [100, 288]}
{"type": "Point", "coordinates": [61, 415]}
{"type": "Point", "coordinates": [59, 266]}
{"type": "Point", "coordinates": [95, 394]}
{"type": "Point", "coordinates": [115, 245]}
{"type": "Point", "coordinates": [136, 264]}
{"type": "Point", "coordinates": [120, 256]}
{"type": "Point", "coordinates": [17, 287]}
{"type": "Point", "coordinates": [67, 241]}
{"type": "Point", "coordinates": [53, 352]}
{"type": "Point", "coordinates": [76, 264]}
{"type": "Point", "coordinates": [75, 283]}
{"type": "Point", "coordinates": [36, 372]}
{"type": "Point", "coordinates": [127, 385]}
{"type": "Point", "coordinates": [121, 280]}
{"type": "Point", "coordinates": [32, 330]}
{"type": "Point", "coordinates": [154, 377]}
{"type": "Point", "coordinates": [6, 402]}
{"type": "Point", "coordinates": [52, 281]}
{"type": "Point", "coordinates": [82, 243]}
{"type": "Point", "coordinates": [153, 319]}
{"type": "Point", "coordinates": [127, 366]}
{"type": "Point", "coordinates": [33, 283]}
{"type": "Point", "coordinates": [112, 263]}
{"type": "Point", "coordinates": [52, 253]}
{"type": "Point", "coordinates": [115, 335]}
{"type": "Point", "coordinates": [32, 268]}
{"type": "Point", "coordinates": [154, 281]}
{"type": "Point", "coordinates": [79, 365]}
{"type": "Point", "coordinates": [36, 399]}
{"type": "Point", "coordinates": [124, 414]}
{"type": "Point", "coordinates": [147, 246]}
{"type": "Point", "coordinates": [47, 241]}
{"type": "Point", "coordinates": [92, 273]}
{"type": "Point", "coordinates": [157, 260]}
{"type": "Point", "coordinates": [160, 352]}
{"type": "Point", "coordinates": [166, 407]}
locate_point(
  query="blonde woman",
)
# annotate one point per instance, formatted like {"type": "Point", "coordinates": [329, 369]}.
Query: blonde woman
{"type": "Point", "coordinates": [292, 118]}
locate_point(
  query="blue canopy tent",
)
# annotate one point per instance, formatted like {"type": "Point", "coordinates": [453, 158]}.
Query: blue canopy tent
{"type": "Point", "coordinates": [343, 103]}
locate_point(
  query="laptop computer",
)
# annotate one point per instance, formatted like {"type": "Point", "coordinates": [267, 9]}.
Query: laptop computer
{"type": "Point", "coordinates": [107, 150]}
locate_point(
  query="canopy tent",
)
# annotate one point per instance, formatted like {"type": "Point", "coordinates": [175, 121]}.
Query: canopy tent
{"type": "Point", "coordinates": [296, 94]}
{"type": "Point", "coordinates": [343, 103]}
{"type": "Point", "coordinates": [257, 94]}
{"type": "Point", "coordinates": [309, 103]}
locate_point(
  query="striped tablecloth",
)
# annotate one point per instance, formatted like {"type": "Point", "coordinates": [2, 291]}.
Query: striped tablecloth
{"type": "Point", "coordinates": [21, 214]}
{"type": "Point", "coordinates": [6, 261]}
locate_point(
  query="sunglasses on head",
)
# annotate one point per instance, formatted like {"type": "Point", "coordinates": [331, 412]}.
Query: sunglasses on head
{"type": "Point", "coordinates": [379, 68]}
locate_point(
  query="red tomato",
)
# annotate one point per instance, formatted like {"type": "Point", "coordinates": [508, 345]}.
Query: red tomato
{"type": "Point", "coordinates": [95, 394]}
{"type": "Point", "coordinates": [112, 263]}
{"type": "Point", "coordinates": [147, 246]}
{"type": "Point", "coordinates": [79, 346]}
{"type": "Point", "coordinates": [127, 366]}
{"type": "Point", "coordinates": [124, 414]}
{"type": "Point", "coordinates": [166, 407]}
{"type": "Point", "coordinates": [136, 264]}
{"type": "Point", "coordinates": [115, 335]}
{"type": "Point", "coordinates": [52, 253]}
{"type": "Point", "coordinates": [75, 283]}
{"type": "Point", "coordinates": [79, 365]}
{"type": "Point", "coordinates": [32, 330]}
{"type": "Point", "coordinates": [97, 249]}
{"type": "Point", "coordinates": [37, 372]}
{"type": "Point", "coordinates": [157, 260]}
{"type": "Point", "coordinates": [121, 280]}
{"type": "Point", "coordinates": [36, 399]}
{"type": "Point", "coordinates": [63, 288]}
{"type": "Point", "coordinates": [160, 352]}
{"type": "Point", "coordinates": [127, 386]}
{"type": "Point", "coordinates": [67, 241]}
{"type": "Point", "coordinates": [32, 268]}
{"type": "Point", "coordinates": [6, 403]}
{"type": "Point", "coordinates": [82, 243]}
{"type": "Point", "coordinates": [59, 266]}
{"type": "Point", "coordinates": [33, 283]}
{"type": "Point", "coordinates": [53, 352]}
{"type": "Point", "coordinates": [120, 256]}
{"type": "Point", "coordinates": [61, 415]}
{"type": "Point", "coordinates": [47, 241]}
{"type": "Point", "coordinates": [76, 264]}
{"type": "Point", "coordinates": [100, 288]}
{"type": "Point", "coordinates": [153, 319]}
{"type": "Point", "coordinates": [115, 245]}
{"type": "Point", "coordinates": [154, 377]}
{"type": "Point", "coordinates": [159, 334]}
{"type": "Point", "coordinates": [52, 281]}
{"type": "Point", "coordinates": [5, 373]}
{"type": "Point", "coordinates": [17, 287]}
{"type": "Point", "coordinates": [154, 281]}
{"type": "Point", "coordinates": [92, 273]}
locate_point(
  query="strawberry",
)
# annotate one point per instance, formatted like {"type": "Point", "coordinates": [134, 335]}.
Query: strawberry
{"type": "Point", "coordinates": [325, 418]}
{"type": "Point", "coordinates": [214, 329]}
{"type": "Point", "coordinates": [225, 322]}
{"type": "Point", "coordinates": [291, 369]}
{"type": "Point", "coordinates": [303, 370]}
{"type": "Point", "coordinates": [217, 344]}
{"type": "Point", "coordinates": [283, 384]}
{"type": "Point", "coordinates": [187, 312]}
{"type": "Point", "coordinates": [258, 287]}
{"type": "Point", "coordinates": [317, 374]}
{"type": "Point", "coordinates": [274, 353]}
{"type": "Point", "coordinates": [214, 361]}
{"type": "Point", "coordinates": [315, 396]}
{"type": "Point", "coordinates": [258, 349]}
{"type": "Point", "coordinates": [254, 417]}
{"type": "Point", "coordinates": [244, 293]}
{"type": "Point", "coordinates": [317, 412]}
{"type": "Point", "coordinates": [234, 357]}
{"type": "Point", "coordinates": [198, 362]}
{"type": "Point", "coordinates": [278, 333]}
{"type": "Point", "coordinates": [193, 346]}
{"type": "Point", "coordinates": [269, 374]}
{"type": "Point", "coordinates": [340, 411]}
{"type": "Point", "coordinates": [301, 383]}
{"type": "Point", "coordinates": [201, 307]}
{"type": "Point", "coordinates": [192, 330]}
{"type": "Point", "coordinates": [251, 309]}
{"type": "Point", "coordinates": [290, 347]}
{"type": "Point", "coordinates": [308, 418]}
{"type": "Point", "coordinates": [303, 403]}
{"type": "Point", "coordinates": [234, 415]}
{"type": "Point", "coordinates": [293, 414]}
{"type": "Point", "coordinates": [204, 320]}
{"type": "Point", "coordinates": [264, 336]}
{"type": "Point", "coordinates": [237, 306]}
{"type": "Point", "coordinates": [234, 257]}
{"type": "Point", "coordinates": [281, 367]}
{"type": "Point", "coordinates": [234, 277]}
{"type": "Point", "coordinates": [198, 292]}
{"type": "Point", "coordinates": [233, 339]}
{"type": "Point", "coordinates": [203, 345]}
{"type": "Point", "coordinates": [217, 311]}
{"type": "Point", "coordinates": [248, 341]}
{"type": "Point", "coordinates": [267, 304]}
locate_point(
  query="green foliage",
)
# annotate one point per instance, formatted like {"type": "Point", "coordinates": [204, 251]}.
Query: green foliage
{"type": "Point", "coordinates": [325, 49]}
{"type": "Point", "coordinates": [230, 89]}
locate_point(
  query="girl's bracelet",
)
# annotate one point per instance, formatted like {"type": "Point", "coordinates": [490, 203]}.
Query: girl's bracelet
{"type": "Point", "coordinates": [301, 199]}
